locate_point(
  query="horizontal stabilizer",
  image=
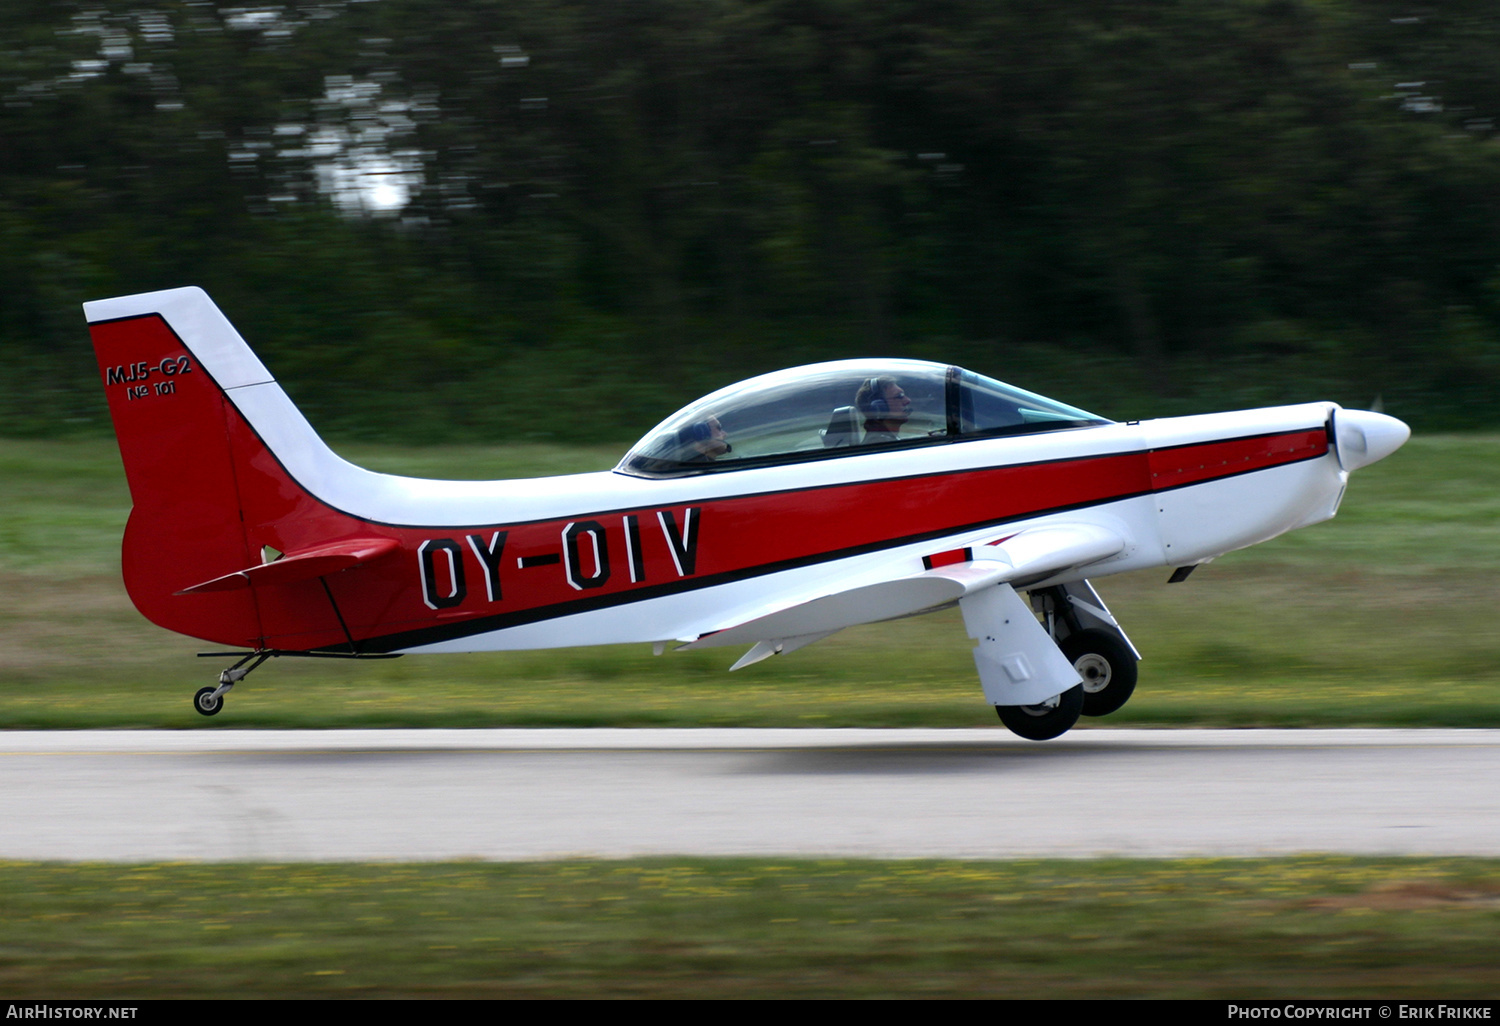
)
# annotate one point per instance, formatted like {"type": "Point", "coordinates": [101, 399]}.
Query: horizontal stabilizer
{"type": "Point", "coordinates": [302, 566]}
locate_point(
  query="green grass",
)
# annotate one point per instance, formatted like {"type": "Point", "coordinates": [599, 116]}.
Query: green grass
{"type": "Point", "coordinates": [1316, 926]}
{"type": "Point", "coordinates": [1381, 617]}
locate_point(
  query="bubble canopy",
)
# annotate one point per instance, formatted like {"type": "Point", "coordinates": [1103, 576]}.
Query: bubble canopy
{"type": "Point", "coordinates": [839, 409]}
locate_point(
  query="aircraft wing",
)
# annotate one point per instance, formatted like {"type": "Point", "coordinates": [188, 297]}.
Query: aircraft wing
{"type": "Point", "coordinates": [1031, 554]}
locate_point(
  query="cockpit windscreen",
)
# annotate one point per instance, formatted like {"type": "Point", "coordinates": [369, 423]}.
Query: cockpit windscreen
{"type": "Point", "coordinates": [830, 409]}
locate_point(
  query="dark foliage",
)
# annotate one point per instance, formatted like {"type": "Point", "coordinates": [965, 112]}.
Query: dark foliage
{"type": "Point", "coordinates": [1142, 207]}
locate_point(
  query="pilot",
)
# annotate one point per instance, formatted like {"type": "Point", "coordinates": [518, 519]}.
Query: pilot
{"type": "Point", "coordinates": [885, 408]}
{"type": "Point", "coordinates": [702, 442]}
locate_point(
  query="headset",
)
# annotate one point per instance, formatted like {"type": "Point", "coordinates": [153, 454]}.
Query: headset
{"type": "Point", "coordinates": [699, 431]}
{"type": "Point", "coordinates": [695, 432]}
{"type": "Point", "coordinates": [875, 405]}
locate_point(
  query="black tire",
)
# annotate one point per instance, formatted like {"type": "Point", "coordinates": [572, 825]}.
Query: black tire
{"type": "Point", "coordinates": [206, 703]}
{"type": "Point", "coordinates": [1041, 722]}
{"type": "Point", "coordinates": [1107, 666]}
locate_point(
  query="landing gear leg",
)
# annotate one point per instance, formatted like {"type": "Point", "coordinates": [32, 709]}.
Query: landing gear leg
{"type": "Point", "coordinates": [208, 701]}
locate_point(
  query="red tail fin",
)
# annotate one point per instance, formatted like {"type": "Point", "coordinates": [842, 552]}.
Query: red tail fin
{"type": "Point", "coordinates": [172, 421]}
{"type": "Point", "coordinates": [222, 466]}
{"type": "Point", "coordinates": [210, 492]}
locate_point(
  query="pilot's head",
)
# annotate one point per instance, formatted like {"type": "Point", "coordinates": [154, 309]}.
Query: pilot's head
{"type": "Point", "coordinates": [703, 440]}
{"type": "Point", "coordinates": [883, 404]}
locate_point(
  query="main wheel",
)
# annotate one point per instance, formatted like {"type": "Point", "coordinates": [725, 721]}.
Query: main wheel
{"type": "Point", "coordinates": [207, 703]}
{"type": "Point", "coordinates": [1107, 666]}
{"type": "Point", "coordinates": [1046, 721]}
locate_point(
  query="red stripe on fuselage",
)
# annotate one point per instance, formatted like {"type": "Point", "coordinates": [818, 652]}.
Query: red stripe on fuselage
{"type": "Point", "coordinates": [1190, 464]}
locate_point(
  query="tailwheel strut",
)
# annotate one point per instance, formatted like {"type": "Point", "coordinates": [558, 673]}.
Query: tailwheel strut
{"type": "Point", "coordinates": [208, 701]}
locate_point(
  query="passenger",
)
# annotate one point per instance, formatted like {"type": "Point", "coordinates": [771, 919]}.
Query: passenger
{"type": "Point", "coordinates": [702, 442]}
{"type": "Point", "coordinates": [885, 408]}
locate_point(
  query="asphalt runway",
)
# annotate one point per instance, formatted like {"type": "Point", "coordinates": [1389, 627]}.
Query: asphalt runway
{"type": "Point", "coordinates": [538, 794]}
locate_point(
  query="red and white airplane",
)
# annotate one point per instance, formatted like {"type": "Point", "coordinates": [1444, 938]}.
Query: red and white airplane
{"type": "Point", "coordinates": [769, 514]}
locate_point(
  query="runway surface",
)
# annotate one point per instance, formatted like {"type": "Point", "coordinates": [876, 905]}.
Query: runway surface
{"type": "Point", "coordinates": [534, 794]}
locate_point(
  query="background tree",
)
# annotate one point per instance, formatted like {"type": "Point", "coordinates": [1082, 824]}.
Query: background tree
{"type": "Point", "coordinates": [551, 218]}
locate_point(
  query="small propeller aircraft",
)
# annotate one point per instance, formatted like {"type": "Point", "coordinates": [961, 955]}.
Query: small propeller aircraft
{"type": "Point", "coordinates": [767, 515]}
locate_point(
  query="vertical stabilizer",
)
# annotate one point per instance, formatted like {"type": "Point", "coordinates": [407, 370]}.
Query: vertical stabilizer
{"type": "Point", "coordinates": [166, 359]}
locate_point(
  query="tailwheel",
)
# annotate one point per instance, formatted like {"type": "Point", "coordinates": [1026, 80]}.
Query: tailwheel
{"type": "Point", "coordinates": [1107, 666]}
{"type": "Point", "coordinates": [1046, 721]}
{"type": "Point", "coordinates": [208, 701]}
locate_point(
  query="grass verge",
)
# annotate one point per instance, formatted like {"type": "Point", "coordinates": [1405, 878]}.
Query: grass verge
{"type": "Point", "coordinates": [1317, 926]}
